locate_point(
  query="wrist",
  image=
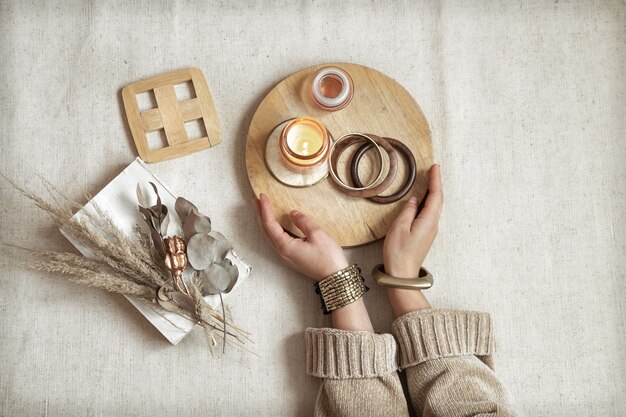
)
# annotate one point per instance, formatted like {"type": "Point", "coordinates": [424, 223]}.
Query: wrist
{"type": "Point", "coordinates": [402, 272]}
{"type": "Point", "coordinates": [330, 268]}
{"type": "Point", "coordinates": [402, 269]}
{"type": "Point", "coordinates": [405, 301]}
{"type": "Point", "coordinates": [352, 317]}
{"type": "Point", "coordinates": [340, 289]}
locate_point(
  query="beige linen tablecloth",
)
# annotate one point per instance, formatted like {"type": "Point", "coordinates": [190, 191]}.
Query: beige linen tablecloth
{"type": "Point", "coordinates": [526, 105]}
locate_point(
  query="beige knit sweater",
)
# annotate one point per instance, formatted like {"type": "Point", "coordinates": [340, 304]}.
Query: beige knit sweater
{"type": "Point", "coordinates": [446, 355]}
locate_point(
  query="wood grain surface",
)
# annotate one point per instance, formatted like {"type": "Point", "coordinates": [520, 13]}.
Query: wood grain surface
{"type": "Point", "coordinates": [380, 106]}
{"type": "Point", "coordinates": [171, 114]}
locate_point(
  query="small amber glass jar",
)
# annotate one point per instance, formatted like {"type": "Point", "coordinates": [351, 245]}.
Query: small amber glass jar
{"type": "Point", "coordinates": [304, 144]}
{"type": "Point", "coordinates": [332, 88]}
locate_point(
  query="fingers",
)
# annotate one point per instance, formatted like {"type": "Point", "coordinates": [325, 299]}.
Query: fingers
{"type": "Point", "coordinates": [432, 204]}
{"type": "Point", "coordinates": [257, 208]}
{"type": "Point", "coordinates": [434, 201]}
{"type": "Point", "coordinates": [268, 223]}
{"type": "Point", "coordinates": [434, 179]}
{"type": "Point", "coordinates": [259, 216]}
{"type": "Point", "coordinates": [407, 215]}
{"type": "Point", "coordinates": [306, 224]}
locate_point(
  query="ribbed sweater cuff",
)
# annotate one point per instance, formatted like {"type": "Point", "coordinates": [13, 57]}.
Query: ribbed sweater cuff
{"type": "Point", "coordinates": [425, 335]}
{"type": "Point", "coordinates": [340, 354]}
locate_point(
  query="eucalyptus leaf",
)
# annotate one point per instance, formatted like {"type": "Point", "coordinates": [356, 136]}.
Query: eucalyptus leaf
{"type": "Point", "coordinates": [164, 224]}
{"type": "Point", "coordinates": [183, 301]}
{"type": "Point", "coordinates": [155, 217]}
{"type": "Point", "coordinates": [183, 207]}
{"type": "Point", "coordinates": [215, 279]}
{"type": "Point", "coordinates": [140, 197]}
{"type": "Point", "coordinates": [150, 211]}
{"type": "Point", "coordinates": [164, 212]}
{"type": "Point", "coordinates": [158, 205]}
{"type": "Point", "coordinates": [158, 242]}
{"type": "Point", "coordinates": [148, 216]}
{"type": "Point", "coordinates": [165, 300]}
{"type": "Point", "coordinates": [154, 224]}
{"type": "Point", "coordinates": [202, 250]}
{"type": "Point", "coordinates": [169, 305]}
{"type": "Point", "coordinates": [233, 271]}
{"type": "Point", "coordinates": [217, 235]}
{"type": "Point", "coordinates": [196, 223]}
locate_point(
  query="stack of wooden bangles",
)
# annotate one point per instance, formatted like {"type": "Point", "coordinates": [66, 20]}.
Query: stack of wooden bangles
{"type": "Point", "coordinates": [373, 190]}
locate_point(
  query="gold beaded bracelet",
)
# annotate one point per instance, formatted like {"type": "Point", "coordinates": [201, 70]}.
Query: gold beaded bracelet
{"type": "Point", "coordinates": [341, 288]}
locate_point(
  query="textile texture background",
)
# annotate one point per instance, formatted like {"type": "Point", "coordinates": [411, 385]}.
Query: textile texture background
{"type": "Point", "coordinates": [526, 106]}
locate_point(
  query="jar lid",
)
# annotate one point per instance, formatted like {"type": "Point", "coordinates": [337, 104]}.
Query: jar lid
{"type": "Point", "coordinates": [335, 75]}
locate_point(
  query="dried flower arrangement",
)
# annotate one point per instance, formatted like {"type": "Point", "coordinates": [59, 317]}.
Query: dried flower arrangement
{"type": "Point", "coordinates": [150, 266]}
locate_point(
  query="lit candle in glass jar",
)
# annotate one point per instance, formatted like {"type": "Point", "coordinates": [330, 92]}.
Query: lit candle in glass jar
{"type": "Point", "coordinates": [304, 144]}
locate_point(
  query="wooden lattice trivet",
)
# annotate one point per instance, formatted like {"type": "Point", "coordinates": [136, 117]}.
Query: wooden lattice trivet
{"type": "Point", "coordinates": [171, 115]}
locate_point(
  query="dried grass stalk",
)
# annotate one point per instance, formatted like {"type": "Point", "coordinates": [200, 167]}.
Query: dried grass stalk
{"type": "Point", "coordinates": [84, 271]}
{"type": "Point", "coordinates": [123, 265]}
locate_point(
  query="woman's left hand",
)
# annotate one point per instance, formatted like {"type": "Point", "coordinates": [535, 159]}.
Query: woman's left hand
{"type": "Point", "coordinates": [409, 239]}
{"type": "Point", "coordinates": [317, 255]}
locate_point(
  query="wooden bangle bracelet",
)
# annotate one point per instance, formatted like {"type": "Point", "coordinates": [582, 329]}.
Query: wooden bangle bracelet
{"type": "Point", "coordinates": [371, 190]}
{"type": "Point", "coordinates": [422, 282]}
{"type": "Point", "coordinates": [339, 146]}
{"type": "Point", "coordinates": [410, 179]}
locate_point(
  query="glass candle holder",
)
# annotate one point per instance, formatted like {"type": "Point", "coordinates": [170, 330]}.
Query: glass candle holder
{"type": "Point", "coordinates": [332, 88]}
{"type": "Point", "coordinates": [304, 144]}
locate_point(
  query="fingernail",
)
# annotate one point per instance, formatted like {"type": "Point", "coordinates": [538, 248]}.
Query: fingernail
{"type": "Point", "coordinates": [413, 200]}
{"type": "Point", "coordinates": [295, 213]}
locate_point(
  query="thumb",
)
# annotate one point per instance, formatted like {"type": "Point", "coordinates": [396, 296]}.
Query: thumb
{"type": "Point", "coordinates": [304, 223]}
{"type": "Point", "coordinates": [407, 215]}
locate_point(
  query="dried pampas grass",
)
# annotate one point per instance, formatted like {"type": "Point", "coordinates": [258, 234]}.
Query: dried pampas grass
{"type": "Point", "coordinates": [121, 264]}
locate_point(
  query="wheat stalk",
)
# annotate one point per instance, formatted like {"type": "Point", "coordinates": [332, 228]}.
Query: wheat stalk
{"type": "Point", "coordinates": [122, 264]}
{"type": "Point", "coordinates": [87, 272]}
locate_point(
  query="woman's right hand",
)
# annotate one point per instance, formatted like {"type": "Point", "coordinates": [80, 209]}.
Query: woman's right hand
{"type": "Point", "coordinates": [317, 255]}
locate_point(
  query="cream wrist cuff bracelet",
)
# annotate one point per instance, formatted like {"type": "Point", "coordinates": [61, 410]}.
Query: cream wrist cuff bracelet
{"type": "Point", "coordinates": [422, 282]}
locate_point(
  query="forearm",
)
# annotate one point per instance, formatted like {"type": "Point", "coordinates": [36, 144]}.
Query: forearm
{"type": "Point", "coordinates": [359, 375]}
{"type": "Point", "coordinates": [457, 386]}
{"type": "Point", "coordinates": [356, 365]}
{"type": "Point", "coordinates": [404, 301]}
{"type": "Point", "coordinates": [447, 357]}
{"type": "Point", "coordinates": [352, 317]}
{"type": "Point", "coordinates": [353, 397]}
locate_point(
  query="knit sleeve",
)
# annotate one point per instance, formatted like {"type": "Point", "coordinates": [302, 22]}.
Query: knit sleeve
{"type": "Point", "coordinates": [359, 373]}
{"type": "Point", "coordinates": [424, 335]}
{"type": "Point", "coordinates": [447, 356]}
{"type": "Point", "coordinates": [341, 354]}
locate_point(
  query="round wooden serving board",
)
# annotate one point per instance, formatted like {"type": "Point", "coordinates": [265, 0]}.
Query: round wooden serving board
{"type": "Point", "coordinates": [380, 106]}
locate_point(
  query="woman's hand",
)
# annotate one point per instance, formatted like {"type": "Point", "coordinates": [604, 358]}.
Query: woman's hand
{"type": "Point", "coordinates": [408, 241]}
{"type": "Point", "coordinates": [317, 255]}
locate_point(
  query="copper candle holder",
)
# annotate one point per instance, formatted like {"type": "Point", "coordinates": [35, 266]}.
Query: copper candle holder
{"type": "Point", "coordinates": [304, 144]}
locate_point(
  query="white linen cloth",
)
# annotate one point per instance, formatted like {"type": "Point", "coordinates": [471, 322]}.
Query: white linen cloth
{"type": "Point", "coordinates": [526, 106]}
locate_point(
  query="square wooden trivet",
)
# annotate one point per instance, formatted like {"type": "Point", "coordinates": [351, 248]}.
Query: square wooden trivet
{"type": "Point", "coordinates": [171, 114]}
